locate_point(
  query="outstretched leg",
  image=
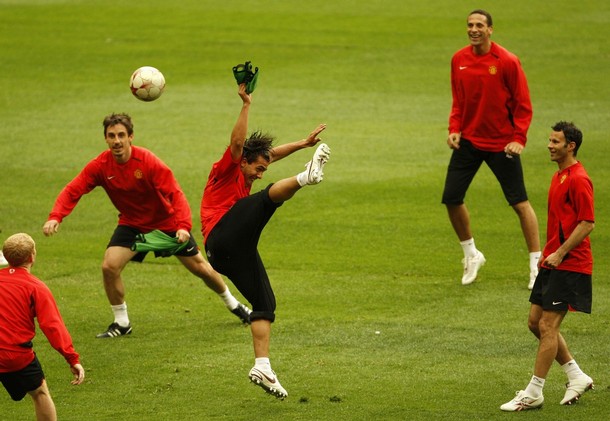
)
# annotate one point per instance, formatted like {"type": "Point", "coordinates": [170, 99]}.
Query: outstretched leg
{"type": "Point", "coordinates": [314, 173]}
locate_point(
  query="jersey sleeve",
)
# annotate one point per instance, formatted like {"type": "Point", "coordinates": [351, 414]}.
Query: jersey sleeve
{"type": "Point", "coordinates": [519, 104]}
{"type": "Point", "coordinates": [70, 195]}
{"type": "Point", "coordinates": [52, 325]}
{"type": "Point", "coordinates": [455, 115]}
{"type": "Point", "coordinates": [582, 190]}
{"type": "Point", "coordinates": [170, 191]}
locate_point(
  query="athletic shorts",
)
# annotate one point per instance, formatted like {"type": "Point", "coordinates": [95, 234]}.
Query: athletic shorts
{"type": "Point", "coordinates": [561, 290]}
{"type": "Point", "coordinates": [232, 249]}
{"type": "Point", "coordinates": [19, 383]}
{"type": "Point", "coordinates": [465, 163]}
{"type": "Point", "coordinates": [125, 236]}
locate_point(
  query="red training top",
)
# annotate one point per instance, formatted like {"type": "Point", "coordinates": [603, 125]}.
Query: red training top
{"type": "Point", "coordinates": [491, 101]}
{"type": "Point", "coordinates": [144, 190]}
{"type": "Point", "coordinates": [24, 297]}
{"type": "Point", "coordinates": [570, 202]}
{"type": "Point", "coordinates": [225, 186]}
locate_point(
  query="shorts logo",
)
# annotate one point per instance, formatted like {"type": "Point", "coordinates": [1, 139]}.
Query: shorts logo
{"type": "Point", "coordinates": [556, 303]}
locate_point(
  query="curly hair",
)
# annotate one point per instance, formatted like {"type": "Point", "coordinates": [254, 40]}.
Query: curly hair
{"type": "Point", "coordinates": [571, 133]}
{"type": "Point", "coordinates": [258, 144]}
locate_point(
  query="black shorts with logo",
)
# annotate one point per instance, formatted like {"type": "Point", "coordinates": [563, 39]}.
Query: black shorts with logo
{"type": "Point", "coordinates": [561, 290]}
{"type": "Point", "coordinates": [125, 236]}
{"type": "Point", "coordinates": [232, 250]}
{"type": "Point", "coordinates": [19, 383]}
{"type": "Point", "coordinates": [465, 163]}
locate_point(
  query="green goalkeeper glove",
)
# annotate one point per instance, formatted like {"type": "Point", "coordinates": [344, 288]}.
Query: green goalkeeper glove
{"type": "Point", "coordinates": [244, 74]}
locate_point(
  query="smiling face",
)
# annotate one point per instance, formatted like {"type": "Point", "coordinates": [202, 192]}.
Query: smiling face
{"type": "Point", "coordinates": [254, 170]}
{"type": "Point", "coordinates": [119, 142]}
{"type": "Point", "coordinates": [479, 33]}
{"type": "Point", "coordinates": [561, 150]}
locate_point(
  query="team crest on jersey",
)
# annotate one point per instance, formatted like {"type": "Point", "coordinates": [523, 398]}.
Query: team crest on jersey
{"type": "Point", "coordinates": [563, 178]}
{"type": "Point", "coordinates": [493, 70]}
{"type": "Point", "coordinates": [138, 174]}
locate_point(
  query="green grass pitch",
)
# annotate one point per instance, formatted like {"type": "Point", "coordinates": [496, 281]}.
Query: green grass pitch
{"type": "Point", "coordinates": [372, 322]}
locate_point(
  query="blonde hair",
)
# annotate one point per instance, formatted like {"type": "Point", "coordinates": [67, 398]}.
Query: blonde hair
{"type": "Point", "coordinates": [18, 249]}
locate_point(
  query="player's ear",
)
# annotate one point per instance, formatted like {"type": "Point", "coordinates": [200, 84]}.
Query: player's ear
{"type": "Point", "coordinates": [571, 146]}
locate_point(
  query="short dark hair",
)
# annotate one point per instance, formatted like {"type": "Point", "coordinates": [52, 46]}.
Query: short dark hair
{"type": "Point", "coordinates": [258, 144]}
{"type": "Point", "coordinates": [484, 13]}
{"type": "Point", "coordinates": [114, 119]}
{"type": "Point", "coordinates": [571, 133]}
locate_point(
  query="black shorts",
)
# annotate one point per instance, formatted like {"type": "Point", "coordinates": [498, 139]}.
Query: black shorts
{"type": "Point", "coordinates": [232, 249]}
{"type": "Point", "coordinates": [125, 236]}
{"type": "Point", "coordinates": [561, 290]}
{"type": "Point", "coordinates": [466, 161]}
{"type": "Point", "coordinates": [19, 383]}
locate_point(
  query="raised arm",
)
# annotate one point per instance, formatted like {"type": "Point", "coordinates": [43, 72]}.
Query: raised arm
{"type": "Point", "coordinates": [283, 151]}
{"type": "Point", "coordinates": [239, 133]}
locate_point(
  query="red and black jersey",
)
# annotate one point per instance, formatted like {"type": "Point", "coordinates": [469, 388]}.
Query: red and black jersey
{"type": "Point", "coordinates": [23, 297]}
{"type": "Point", "coordinates": [570, 201]}
{"type": "Point", "coordinates": [225, 186]}
{"type": "Point", "coordinates": [144, 191]}
{"type": "Point", "coordinates": [491, 101]}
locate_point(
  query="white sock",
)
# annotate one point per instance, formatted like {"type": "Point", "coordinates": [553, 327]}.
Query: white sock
{"type": "Point", "coordinates": [534, 258]}
{"type": "Point", "coordinates": [572, 370]}
{"type": "Point", "coordinates": [120, 314]}
{"type": "Point", "coordinates": [229, 299]}
{"type": "Point", "coordinates": [262, 363]}
{"type": "Point", "coordinates": [534, 389]}
{"type": "Point", "coordinates": [302, 178]}
{"type": "Point", "coordinates": [470, 250]}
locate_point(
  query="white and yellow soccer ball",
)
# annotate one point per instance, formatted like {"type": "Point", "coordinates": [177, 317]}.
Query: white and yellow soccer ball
{"type": "Point", "coordinates": [147, 83]}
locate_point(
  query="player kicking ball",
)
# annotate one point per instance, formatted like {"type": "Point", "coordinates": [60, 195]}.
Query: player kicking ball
{"type": "Point", "coordinates": [232, 221]}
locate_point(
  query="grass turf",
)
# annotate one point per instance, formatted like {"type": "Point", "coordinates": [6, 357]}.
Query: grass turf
{"type": "Point", "coordinates": [372, 322]}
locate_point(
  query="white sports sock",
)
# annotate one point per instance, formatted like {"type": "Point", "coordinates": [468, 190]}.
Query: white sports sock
{"type": "Point", "coordinates": [470, 250]}
{"type": "Point", "coordinates": [302, 178]}
{"type": "Point", "coordinates": [572, 370]}
{"type": "Point", "coordinates": [262, 363]}
{"type": "Point", "coordinates": [534, 389]}
{"type": "Point", "coordinates": [534, 258]}
{"type": "Point", "coordinates": [229, 299]}
{"type": "Point", "coordinates": [120, 314]}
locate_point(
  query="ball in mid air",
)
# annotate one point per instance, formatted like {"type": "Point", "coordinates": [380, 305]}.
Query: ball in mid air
{"type": "Point", "coordinates": [147, 83]}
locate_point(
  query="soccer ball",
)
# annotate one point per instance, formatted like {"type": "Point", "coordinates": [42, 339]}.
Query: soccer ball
{"type": "Point", "coordinates": [147, 83]}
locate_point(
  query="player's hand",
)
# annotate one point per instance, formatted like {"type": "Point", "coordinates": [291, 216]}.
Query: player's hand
{"type": "Point", "coordinates": [183, 235]}
{"type": "Point", "coordinates": [79, 373]}
{"type": "Point", "coordinates": [513, 149]}
{"type": "Point", "coordinates": [313, 138]}
{"type": "Point", "coordinates": [553, 260]}
{"type": "Point", "coordinates": [453, 140]}
{"type": "Point", "coordinates": [245, 97]}
{"type": "Point", "coordinates": [50, 227]}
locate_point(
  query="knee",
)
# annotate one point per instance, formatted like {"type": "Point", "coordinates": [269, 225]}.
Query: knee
{"type": "Point", "coordinates": [523, 208]}
{"type": "Point", "coordinates": [110, 271]}
{"type": "Point", "coordinates": [205, 271]}
{"type": "Point", "coordinates": [533, 327]}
